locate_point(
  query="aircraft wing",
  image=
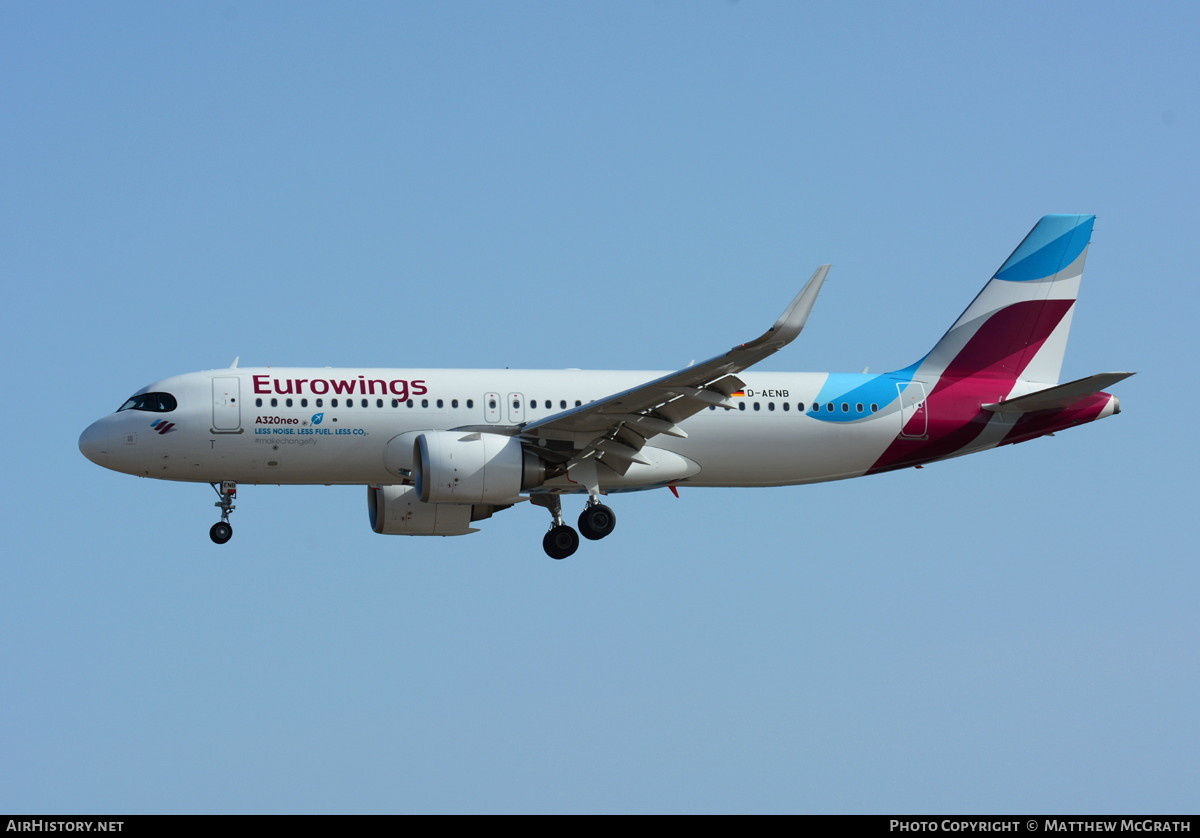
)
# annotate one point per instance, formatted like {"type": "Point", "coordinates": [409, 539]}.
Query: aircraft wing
{"type": "Point", "coordinates": [614, 429]}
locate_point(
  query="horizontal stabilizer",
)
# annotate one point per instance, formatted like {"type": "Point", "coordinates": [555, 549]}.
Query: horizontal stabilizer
{"type": "Point", "coordinates": [1055, 398]}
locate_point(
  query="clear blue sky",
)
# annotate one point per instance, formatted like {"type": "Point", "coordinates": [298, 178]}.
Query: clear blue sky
{"type": "Point", "coordinates": [611, 185]}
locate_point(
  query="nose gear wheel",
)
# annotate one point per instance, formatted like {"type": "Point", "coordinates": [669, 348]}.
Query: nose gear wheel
{"type": "Point", "coordinates": [222, 531]}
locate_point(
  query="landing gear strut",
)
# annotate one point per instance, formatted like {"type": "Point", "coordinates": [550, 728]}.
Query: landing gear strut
{"type": "Point", "coordinates": [222, 531]}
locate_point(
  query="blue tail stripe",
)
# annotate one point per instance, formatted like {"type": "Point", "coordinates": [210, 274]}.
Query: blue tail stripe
{"type": "Point", "coordinates": [1056, 241]}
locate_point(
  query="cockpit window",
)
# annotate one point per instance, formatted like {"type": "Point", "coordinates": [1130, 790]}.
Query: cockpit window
{"type": "Point", "coordinates": [154, 402]}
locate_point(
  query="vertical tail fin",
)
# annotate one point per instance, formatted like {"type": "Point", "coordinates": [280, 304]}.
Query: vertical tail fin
{"type": "Point", "coordinates": [1018, 325]}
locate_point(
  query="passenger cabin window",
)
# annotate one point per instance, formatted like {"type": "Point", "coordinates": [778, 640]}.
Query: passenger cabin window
{"type": "Point", "coordinates": [154, 402]}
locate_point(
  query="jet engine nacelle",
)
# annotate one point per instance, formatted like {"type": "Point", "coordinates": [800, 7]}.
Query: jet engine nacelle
{"type": "Point", "coordinates": [472, 467]}
{"type": "Point", "coordinates": [398, 510]}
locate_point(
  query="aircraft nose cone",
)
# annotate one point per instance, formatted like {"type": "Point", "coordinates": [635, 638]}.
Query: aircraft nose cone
{"type": "Point", "coordinates": [93, 443]}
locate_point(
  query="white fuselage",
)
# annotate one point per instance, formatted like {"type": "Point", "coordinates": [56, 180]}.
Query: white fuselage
{"type": "Point", "coordinates": [293, 426]}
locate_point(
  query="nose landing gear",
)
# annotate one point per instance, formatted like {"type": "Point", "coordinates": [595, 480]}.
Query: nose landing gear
{"type": "Point", "coordinates": [221, 531]}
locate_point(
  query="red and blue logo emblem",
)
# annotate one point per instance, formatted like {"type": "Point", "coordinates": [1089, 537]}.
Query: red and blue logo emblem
{"type": "Point", "coordinates": [162, 426]}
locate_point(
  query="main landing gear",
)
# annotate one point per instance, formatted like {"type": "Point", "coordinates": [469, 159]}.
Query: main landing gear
{"type": "Point", "coordinates": [227, 492]}
{"type": "Point", "coordinates": [595, 522]}
{"type": "Point", "coordinates": [560, 542]}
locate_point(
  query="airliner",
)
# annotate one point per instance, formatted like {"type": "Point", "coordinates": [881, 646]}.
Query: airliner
{"type": "Point", "coordinates": [439, 450]}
